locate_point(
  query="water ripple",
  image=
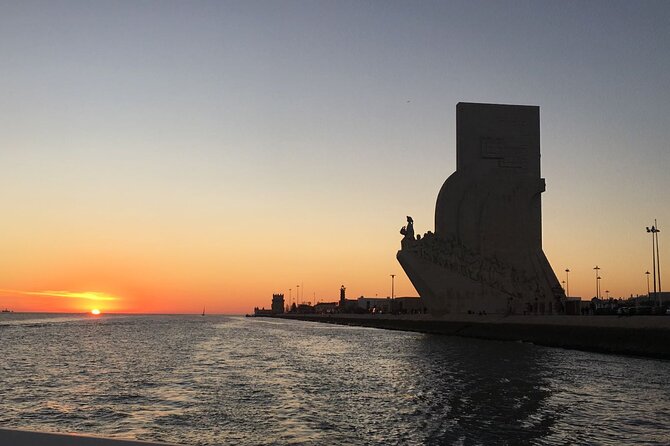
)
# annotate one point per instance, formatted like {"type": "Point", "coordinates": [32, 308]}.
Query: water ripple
{"type": "Point", "coordinates": [223, 380]}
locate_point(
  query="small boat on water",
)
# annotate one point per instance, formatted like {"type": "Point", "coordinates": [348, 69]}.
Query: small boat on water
{"type": "Point", "coordinates": [203, 311]}
{"type": "Point", "coordinates": [6, 311]}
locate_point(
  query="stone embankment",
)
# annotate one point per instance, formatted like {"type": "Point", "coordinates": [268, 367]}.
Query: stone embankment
{"type": "Point", "coordinates": [629, 335]}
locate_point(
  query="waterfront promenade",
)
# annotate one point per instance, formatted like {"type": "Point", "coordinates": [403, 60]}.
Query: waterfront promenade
{"type": "Point", "coordinates": [631, 335]}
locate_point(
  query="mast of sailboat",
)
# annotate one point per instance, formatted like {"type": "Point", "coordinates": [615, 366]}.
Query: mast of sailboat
{"type": "Point", "coordinates": [203, 311]}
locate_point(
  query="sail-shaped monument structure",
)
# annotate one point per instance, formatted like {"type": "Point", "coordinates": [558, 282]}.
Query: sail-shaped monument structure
{"type": "Point", "coordinates": [485, 254]}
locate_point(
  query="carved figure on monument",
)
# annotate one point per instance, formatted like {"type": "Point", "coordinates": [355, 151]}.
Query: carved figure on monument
{"type": "Point", "coordinates": [486, 251]}
{"type": "Point", "coordinates": [408, 231]}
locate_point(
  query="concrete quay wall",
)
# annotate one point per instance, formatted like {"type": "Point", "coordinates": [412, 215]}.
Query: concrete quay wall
{"type": "Point", "coordinates": [18, 437]}
{"type": "Point", "coordinates": [630, 335]}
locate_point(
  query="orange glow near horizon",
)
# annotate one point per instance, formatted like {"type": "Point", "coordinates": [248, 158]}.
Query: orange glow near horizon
{"type": "Point", "coordinates": [95, 312]}
{"type": "Point", "coordinates": [60, 301]}
{"type": "Point", "coordinates": [233, 271]}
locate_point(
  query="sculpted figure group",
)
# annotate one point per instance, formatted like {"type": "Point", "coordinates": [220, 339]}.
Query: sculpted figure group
{"type": "Point", "coordinates": [450, 254]}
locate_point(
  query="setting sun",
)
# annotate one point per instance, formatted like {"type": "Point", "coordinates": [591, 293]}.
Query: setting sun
{"type": "Point", "coordinates": [95, 311]}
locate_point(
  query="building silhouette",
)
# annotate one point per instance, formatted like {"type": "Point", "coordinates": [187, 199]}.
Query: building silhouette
{"type": "Point", "coordinates": [278, 303]}
{"type": "Point", "coordinates": [486, 252]}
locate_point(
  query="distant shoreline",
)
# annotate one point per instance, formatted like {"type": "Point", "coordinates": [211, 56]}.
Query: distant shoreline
{"type": "Point", "coordinates": [647, 336]}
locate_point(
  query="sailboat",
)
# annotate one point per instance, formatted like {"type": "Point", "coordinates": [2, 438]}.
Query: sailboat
{"type": "Point", "coordinates": [203, 311]}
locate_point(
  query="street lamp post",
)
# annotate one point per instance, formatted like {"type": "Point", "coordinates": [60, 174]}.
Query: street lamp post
{"type": "Point", "coordinates": [563, 282]}
{"type": "Point", "coordinates": [658, 264]}
{"type": "Point", "coordinates": [597, 268]}
{"type": "Point", "coordinates": [647, 274]}
{"type": "Point", "coordinates": [655, 258]}
{"type": "Point", "coordinates": [297, 295]}
{"type": "Point", "coordinates": [652, 231]}
{"type": "Point", "coordinates": [392, 286]}
{"type": "Point", "coordinates": [567, 282]}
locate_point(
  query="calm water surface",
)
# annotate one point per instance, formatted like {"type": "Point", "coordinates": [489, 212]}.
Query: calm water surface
{"type": "Point", "coordinates": [229, 380]}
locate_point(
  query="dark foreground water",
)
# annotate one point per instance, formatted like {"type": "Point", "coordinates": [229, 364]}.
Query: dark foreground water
{"type": "Point", "coordinates": [229, 380]}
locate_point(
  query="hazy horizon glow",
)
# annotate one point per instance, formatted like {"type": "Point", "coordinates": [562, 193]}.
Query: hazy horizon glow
{"type": "Point", "coordinates": [174, 155]}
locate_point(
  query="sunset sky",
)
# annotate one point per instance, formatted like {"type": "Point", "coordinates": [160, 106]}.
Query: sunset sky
{"type": "Point", "coordinates": [162, 156]}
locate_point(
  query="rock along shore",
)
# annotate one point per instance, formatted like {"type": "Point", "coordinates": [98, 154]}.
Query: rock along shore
{"type": "Point", "coordinates": [629, 335]}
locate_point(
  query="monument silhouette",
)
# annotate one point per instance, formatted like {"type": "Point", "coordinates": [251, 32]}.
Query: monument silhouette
{"type": "Point", "coordinates": [485, 255]}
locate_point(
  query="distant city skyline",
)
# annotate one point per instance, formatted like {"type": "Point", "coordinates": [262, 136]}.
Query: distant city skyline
{"type": "Point", "coordinates": [165, 156]}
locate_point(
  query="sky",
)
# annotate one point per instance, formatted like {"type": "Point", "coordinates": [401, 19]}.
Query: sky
{"type": "Point", "coordinates": [165, 156]}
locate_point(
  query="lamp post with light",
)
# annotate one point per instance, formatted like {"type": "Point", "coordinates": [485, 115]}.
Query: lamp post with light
{"type": "Point", "coordinates": [567, 282]}
{"type": "Point", "coordinates": [647, 274]}
{"type": "Point", "coordinates": [652, 231]}
{"type": "Point", "coordinates": [597, 268]}
{"type": "Point", "coordinates": [658, 263]}
{"type": "Point", "coordinates": [655, 258]}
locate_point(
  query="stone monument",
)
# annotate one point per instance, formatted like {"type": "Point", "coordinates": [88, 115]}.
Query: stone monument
{"type": "Point", "coordinates": [485, 255]}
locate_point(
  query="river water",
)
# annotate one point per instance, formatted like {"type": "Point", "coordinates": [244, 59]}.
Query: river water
{"type": "Point", "coordinates": [255, 381]}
